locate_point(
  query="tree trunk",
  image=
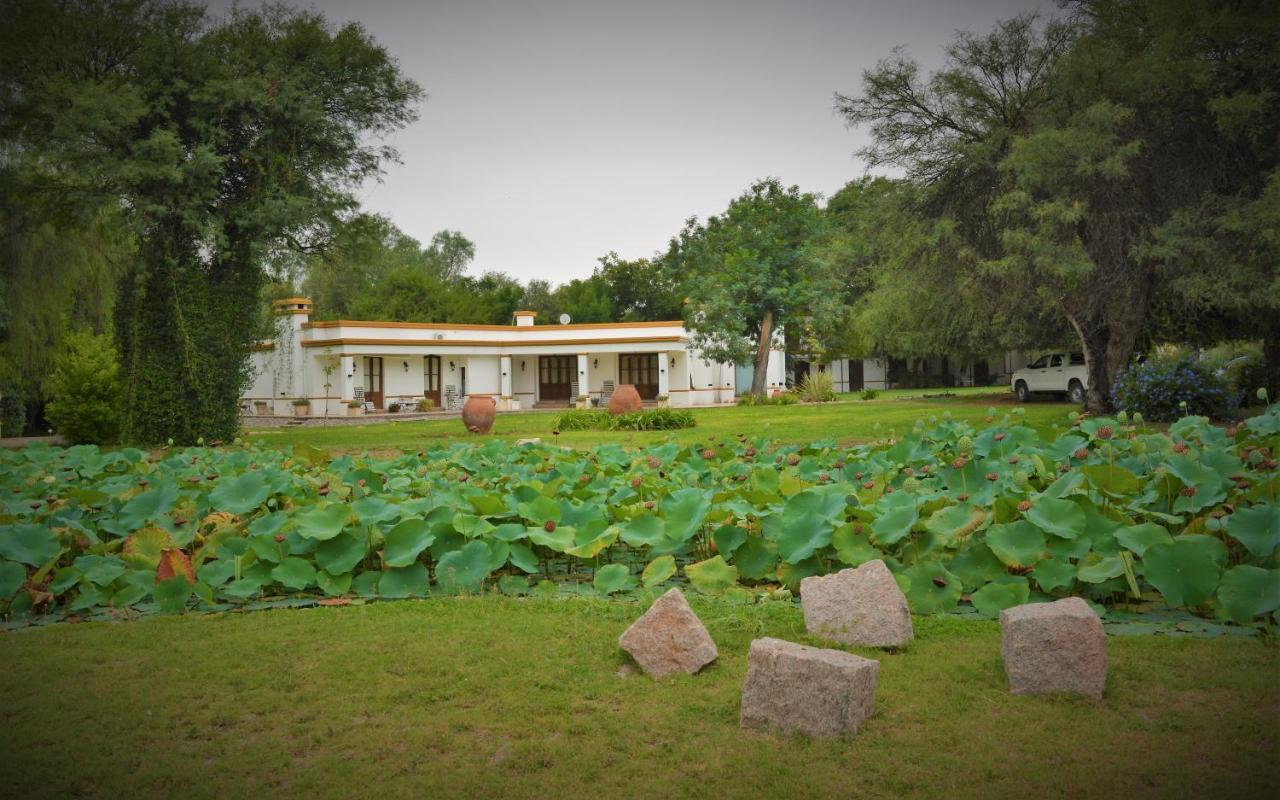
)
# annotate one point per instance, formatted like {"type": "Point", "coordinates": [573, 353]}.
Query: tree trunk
{"type": "Point", "coordinates": [760, 379]}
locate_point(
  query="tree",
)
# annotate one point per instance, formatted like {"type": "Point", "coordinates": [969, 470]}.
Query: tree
{"type": "Point", "coordinates": [453, 252]}
{"type": "Point", "coordinates": [640, 290]}
{"type": "Point", "coordinates": [84, 390]}
{"type": "Point", "coordinates": [224, 141]}
{"type": "Point", "coordinates": [1070, 157]}
{"type": "Point", "coordinates": [748, 271]}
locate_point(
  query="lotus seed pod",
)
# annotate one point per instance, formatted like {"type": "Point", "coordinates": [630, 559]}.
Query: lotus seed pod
{"type": "Point", "coordinates": [911, 484]}
{"type": "Point", "coordinates": [1021, 478]}
{"type": "Point", "coordinates": [1122, 418]}
{"type": "Point", "coordinates": [965, 445]}
{"type": "Point", "coordinates": [1137, 418]}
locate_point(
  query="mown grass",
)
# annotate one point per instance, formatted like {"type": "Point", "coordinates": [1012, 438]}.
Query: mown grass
{"type": "Point", "coordinates": [496, 697]}
{"type": "Point", "coordinates": [847, 421]}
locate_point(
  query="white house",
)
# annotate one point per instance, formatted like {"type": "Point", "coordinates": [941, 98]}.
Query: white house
{"type": "Point", "coordinates": [521, 365]}
{"type": "Point", "coordinates": [854, 374]}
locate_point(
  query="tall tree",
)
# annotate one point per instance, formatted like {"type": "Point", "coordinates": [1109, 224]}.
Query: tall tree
{"type": "Point", "coordinates": [641, 290]}
{"type": "Point", "coordinates": [748, 271]}
{"type": "Point", "coordinates": [1069, 156]}
{"type": "Point", "coordinates": [453, 251]}
{"type": "Point", "coordinates": [223, 141]}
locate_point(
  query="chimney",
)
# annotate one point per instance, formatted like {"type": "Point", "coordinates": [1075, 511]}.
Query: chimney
{"type": "Point", "coordinates": [524, 319]}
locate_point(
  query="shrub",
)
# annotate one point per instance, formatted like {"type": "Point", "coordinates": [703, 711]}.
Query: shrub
{"type": "Point", "coordinates": [84, 390]}
{"type": "Point", "coordinates": [394, 408]}
{"type": "Point", "coordinates": [650, 419]}
{"type": "Point", "coordinates": [1243, 367]}
{"type": "Point", "coordinates": [785, 399]}
{"type": "Point", "coordinates": [1159, 388]}
{"type": "Point", "coordinates": [583, 420]}
{"type": "Point", "coordinates": [426, 404]}
{"type": "Point", "coordinates": [353, 404]}
{"type": "Point", "coordinates": [817, 387]}
{"type": "Point", "coordinates": [653, 419]}
{"type": "Point", "coordinates": [868, 394]}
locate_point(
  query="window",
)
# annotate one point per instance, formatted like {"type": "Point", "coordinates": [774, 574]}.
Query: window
{"type": "Point", "coordinates": [1039, 363]}
{"type": "Point", "coordinates": [1056, 361]}
{"type": "Point", "coordinates": [1077, 359]}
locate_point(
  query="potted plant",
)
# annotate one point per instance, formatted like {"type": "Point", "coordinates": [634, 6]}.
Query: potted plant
{"type": "Point", "coordinates": [302, 407]}
{"type": "Point", "coordinates": [393, 408]}
{"type": "Point", "coordinates": [584, 401]}
{"type": "Point", "coordinates": [662, 401]}
{"type": "Point", "coordinates": [260, 407]}
{"type": "Point", "coordinates": [353, 408]}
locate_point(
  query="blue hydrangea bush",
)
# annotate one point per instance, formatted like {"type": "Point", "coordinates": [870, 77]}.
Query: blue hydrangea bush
{"type": "Point", "coordinates": [1164, 388]}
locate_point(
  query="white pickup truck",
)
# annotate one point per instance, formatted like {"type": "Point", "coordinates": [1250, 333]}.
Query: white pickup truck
{"type": "Point", "coordinates": [1060, 373]}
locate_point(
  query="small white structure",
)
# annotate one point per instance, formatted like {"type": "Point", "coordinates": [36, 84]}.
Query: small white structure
{"type": "Point", "coordinates": [854, 374]}
{"type": "Point", "coordinates": [521, 365]}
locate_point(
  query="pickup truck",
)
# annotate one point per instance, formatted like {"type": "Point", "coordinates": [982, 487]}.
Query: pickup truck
{"type": "Point", "coordinates": [1058, 373]}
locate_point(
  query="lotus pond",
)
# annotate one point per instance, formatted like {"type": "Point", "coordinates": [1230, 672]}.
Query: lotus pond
{"type": "Point", "coordinates": [1175, 530]}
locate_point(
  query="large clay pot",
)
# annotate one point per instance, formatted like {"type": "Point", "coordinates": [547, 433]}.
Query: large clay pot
{"type": "Point", "coordinates": [478, 413]}
{"type": "Point", "coordinates": [625, 399]}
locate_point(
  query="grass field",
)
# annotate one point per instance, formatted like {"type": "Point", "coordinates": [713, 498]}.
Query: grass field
{"type": "Point", "coordinates": [847, 421]}
{"type": "Point", "coordinates": [495, 697]}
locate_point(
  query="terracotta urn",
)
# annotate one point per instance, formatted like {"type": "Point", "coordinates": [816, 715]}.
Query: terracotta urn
{"type": "Point", "coordinates": [478, 413]}
{"type": "Point", "coordinates": [625, 399]}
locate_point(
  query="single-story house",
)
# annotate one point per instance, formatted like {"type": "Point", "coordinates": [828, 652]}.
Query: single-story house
{"type": "Point", "coordinates": [855, 374]}
{"type": "Point", "coordinates": [520, 365]}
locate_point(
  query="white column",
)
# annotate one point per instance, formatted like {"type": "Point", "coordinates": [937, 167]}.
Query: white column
{"type": "Point", "coordinates": [584, 376]}
{"type": "Point", "coordinates": [664, 376]}
{"type": "Point", "coordinates": [504, 401]}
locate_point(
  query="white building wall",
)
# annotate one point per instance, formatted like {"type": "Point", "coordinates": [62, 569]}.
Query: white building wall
{"type": "Point", "coordinates": [875, 373]}
{"type": "Point", "coordinates": [484, 375]}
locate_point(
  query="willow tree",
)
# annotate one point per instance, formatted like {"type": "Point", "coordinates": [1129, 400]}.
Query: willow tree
{"type": "Point", "coordinates": [748, 271]}
{"type": "Point", "coordinates": [223, 140]}
{"type": "Point", "coordinates": [1084, 161]}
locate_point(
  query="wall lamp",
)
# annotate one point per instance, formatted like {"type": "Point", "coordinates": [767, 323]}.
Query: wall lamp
{"type": "Point", "coordinates": [451, 366]}
{"type": "Point", "coordinates": [522, 366]}
{"type": "Point", "coordinates": [406, 365]}
{"type": "Point", "coordinates": [595, 362]}
{"type": "Point", "coordinates": [673, 363]}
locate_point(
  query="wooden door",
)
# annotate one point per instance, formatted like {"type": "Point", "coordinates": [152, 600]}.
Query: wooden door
{"type": "Point", "coordinates": [555, 377]}
{"type": "Point", "coordinates": [431, 379]}
{"type": "Point", "coordinates": [373, 380]}
{"type": "Point", "coordinates": [855, 375]}
{"type": "Point", "coordinates": [641, 370]}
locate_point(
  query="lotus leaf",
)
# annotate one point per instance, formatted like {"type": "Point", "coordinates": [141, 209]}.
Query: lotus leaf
{"type": "Point", "coordinates": [658, 571]}
{"type": "Point", "coordinates": [711, 576]}
{"type": "Point", "coordinates": [613, 578]}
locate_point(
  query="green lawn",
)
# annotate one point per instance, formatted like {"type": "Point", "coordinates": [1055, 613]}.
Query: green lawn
{"type": "Point", "coordinates": [495, 697]}
{"type": "Point", "coordinates": [847, 421]}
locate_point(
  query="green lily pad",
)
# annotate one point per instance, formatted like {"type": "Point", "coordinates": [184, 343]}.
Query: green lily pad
{"type": "Point", "coordinates": [1018, 544]}
{"type": "Point", "coordinates": [658, 571]}
{"type": "Point", "coordinates": [1257, 528]}
{"type": "Point", "coordinates": [406, 541]}
{"type": "Point", "coordinates": [1056, 516]}
{"type": "Point", "coordinates": [613, 578]}
{"type": "Point", "coordinates": [932, 589]}
{"type": "Point", "coordinates": [325, 521]}
{"type": "Point", "coordinates": [711, 576]}
{"type": "Point", "coordinates": [28, 544]}
{"type": "Point", "coordinates": [1186, 571]}
{"type": "Point", "coordinates": [241, 493]}
{"type": "Point", "coordinates": [1247, 592]}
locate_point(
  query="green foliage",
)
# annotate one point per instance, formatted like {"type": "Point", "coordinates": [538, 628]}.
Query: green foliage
{"type": "Point", "coordinates": [817, 387]}
{"type": "Point", "coordinates": [1164, 388]}
{"type": "Point", "coordinates": [868, 394]}
{"type": "Point", "coordinates": [84, 390]}
{"type": "Point", "coordinates": [652, 419]}
{"type": "Point", "coordinates": [998, 514]}
{"type": "Point", "coordinates": [224, 141]}
{"type": "Point", "coordinates": [748, 271]}
{"type": "Point", "coordinates": [779, 399]}
{"type": "Point", "coordinates": [1103, 176]}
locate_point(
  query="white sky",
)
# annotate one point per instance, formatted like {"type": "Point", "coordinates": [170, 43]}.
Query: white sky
{"type": "Point", "coordinates": [557, 131]}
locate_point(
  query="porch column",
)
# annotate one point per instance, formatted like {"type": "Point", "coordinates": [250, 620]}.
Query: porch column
{"type": "Point", "coordinates": [504, 401]}
{"type": "Point", "coordinates": [664, 377]}
{"type": "Point", "coordinates": [584, 376]}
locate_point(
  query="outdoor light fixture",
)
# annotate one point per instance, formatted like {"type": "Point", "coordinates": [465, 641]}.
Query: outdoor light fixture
{"type": "Point", "coordinates": [406, 365]}
{"type": "Point", "coordinates": [595, 362]}
{"type": "Point", "coordinates": [522, 366]}
{"type": "Point", "coordinates": [451, 366]}
{"type": "Point", "coordinates": [673, 363]}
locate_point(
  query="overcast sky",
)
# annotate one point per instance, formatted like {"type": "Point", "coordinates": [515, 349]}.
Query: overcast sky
{"type": "Point", "coordinates": [554, 132]}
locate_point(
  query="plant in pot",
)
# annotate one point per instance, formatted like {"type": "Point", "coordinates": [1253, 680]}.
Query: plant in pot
{"type": "Point", "coordinates": [394, 408]}
{"type": "Point", "coordinates": [353, 408]}
{"type": "Point", "coordinates": [301, 407]}
{"type": "Point", "coordinates": [662, 401]}
{"type": "Point", "coordinates": [584, 401]}
{"type": "Point", "coordinates": [260, 407]}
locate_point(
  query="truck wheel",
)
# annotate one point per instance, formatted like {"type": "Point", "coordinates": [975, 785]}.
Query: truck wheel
{"type": "Point", "coordinates": [1075, 392]}
{"type": "Point", "coordinates": [1024, 394]}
